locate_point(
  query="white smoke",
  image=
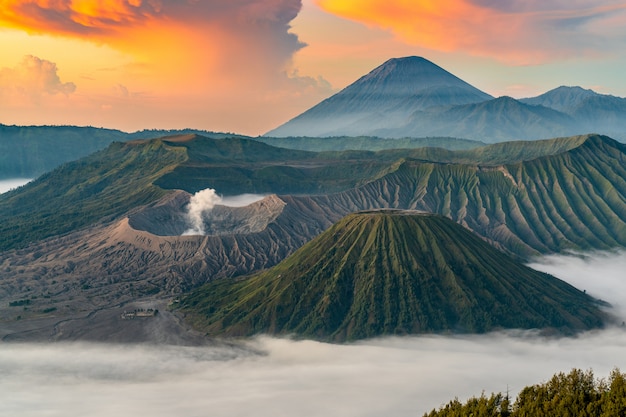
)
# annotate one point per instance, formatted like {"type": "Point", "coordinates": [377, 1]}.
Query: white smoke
{"type": "Point", "coordinates": [205, 200]}
{"type": "Point", "coordinates": [200, 203]}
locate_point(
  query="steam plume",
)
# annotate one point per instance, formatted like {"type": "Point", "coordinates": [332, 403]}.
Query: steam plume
{"type": "Point", "coordinates": [200, 202]}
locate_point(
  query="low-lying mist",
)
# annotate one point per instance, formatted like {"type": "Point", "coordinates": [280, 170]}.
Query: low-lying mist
{"type": "Point", "coordinates": [602, 275]}
{"type": "Point", "coordinates": [241, 200]}
{"type": "Point", "coordinates": [384, 377]}
{"type": "Point", "coordinates": [7, 185]}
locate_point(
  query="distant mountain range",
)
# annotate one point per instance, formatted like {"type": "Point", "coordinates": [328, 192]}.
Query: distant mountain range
{"type": "Point", "coordinates": [413, 97]}
{"type": "Point", "coordinates": [29, 151]}
{"type": "Point", "coordinates": [391, 272]}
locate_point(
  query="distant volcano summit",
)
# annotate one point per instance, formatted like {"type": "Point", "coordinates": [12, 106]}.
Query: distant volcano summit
{"type": "Point", "coordinates": [389, 94]}
{"type": "Point", "coordinates": [412, 97]}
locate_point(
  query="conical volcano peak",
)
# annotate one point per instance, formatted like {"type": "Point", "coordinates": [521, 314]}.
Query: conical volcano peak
{"type": "Point", "coordinates": [414, 74]}
{"type": "Point", "coordinates": [396, 272]}
{"type": "Point", "coordinates": [386, 96]}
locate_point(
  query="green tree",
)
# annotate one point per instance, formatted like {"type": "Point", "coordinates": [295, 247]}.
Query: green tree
{"type": "Point", "coordinates": [576, 394]}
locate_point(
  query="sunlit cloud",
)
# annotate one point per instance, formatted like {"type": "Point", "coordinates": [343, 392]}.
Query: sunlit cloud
{"type": "Point", "coordinates": [32, 78]}
{"type": "Point", "coordinates": [207, 61]}
{"type": "Point", "coordinates": [216, 34]}
{"type": "Point", "coordinates": [516, 32]}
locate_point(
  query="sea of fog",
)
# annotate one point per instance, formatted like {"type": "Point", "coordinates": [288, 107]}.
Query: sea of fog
{"type": "Point", "coordinates": [277, 377]}
{"type": "Point", "coordinates": [6, 185]}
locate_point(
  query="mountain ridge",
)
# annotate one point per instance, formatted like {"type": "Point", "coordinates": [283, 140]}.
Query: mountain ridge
{"type": "Point", "coordinates": [467, 186]}
{"type": "Point", "coordinates": [108, 224]}
{"type": "Point", "coordinates": [454, 108]}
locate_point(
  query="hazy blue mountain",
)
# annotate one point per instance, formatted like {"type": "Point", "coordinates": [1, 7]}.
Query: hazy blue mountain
{"type": "Point", "coordinates": [412, 97]}
{"type": "Point", "coordinates": [593, 112]}
{"type": "Point", "coordinates": [29, 151]}
{"type": "Point", "coordinates": [368, 143]}
{"type": "Point", "coordinates": [563, 99]}
{"type": "Point", "coordinates": [386, 96]}
{"type": "Point", "coordinates": [497, 120]}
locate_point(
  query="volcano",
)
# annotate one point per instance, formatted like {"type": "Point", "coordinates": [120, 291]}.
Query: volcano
{"type": "Point", "coordinates": [387, 95]}
{"type": "Point", "coordinates": [391, 272]}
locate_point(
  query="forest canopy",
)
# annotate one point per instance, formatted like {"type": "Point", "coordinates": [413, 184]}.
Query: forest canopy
{"type": "Point", "coordinates": [576, 394]}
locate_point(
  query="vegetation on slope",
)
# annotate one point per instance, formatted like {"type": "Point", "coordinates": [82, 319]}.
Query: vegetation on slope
{"type": "Point", "coordinates": [570, 200]}
{"type": "Point", "coordinates": [528, 197]}
{"type": "Point", "coordinates": [391, 272]}
{"type": "Point", "coordinates": [236, 165]}
{"type": "Point", "coordinates": [99, 187]}
{"type": "Point", "coordinates": [577, 394]}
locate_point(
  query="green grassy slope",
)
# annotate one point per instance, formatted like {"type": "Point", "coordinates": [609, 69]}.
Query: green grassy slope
{"type": "Point", "coordinates": [102, 186]}
{"type": "Point", "coordinates": [237, 165]}
{"type": "Point", "coordinates": [575, 199]}
{"type": "Point", "coordinates": [382, 273]}
{"type": "Point", "coordinates": [528, 197]}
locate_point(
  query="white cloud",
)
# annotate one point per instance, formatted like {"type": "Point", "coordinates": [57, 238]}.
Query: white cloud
{"type": "Point", "coordinates": [33, 77]}
{"type": "Point", "coordinates": [391, 377]}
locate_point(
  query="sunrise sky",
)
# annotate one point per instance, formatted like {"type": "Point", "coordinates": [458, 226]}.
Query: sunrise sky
{"type": "Point", "coordinates": [247, 66]}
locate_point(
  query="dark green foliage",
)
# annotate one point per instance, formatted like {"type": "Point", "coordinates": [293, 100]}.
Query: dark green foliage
{"type": "Point", "coordinates": [390, 272]}
{"type": "Point", "coordinates": [29, 151]}
{"type": "Point", "coordinates": [236, 166]}
{"type": "Point", "coordinates": [492, 406]}
{"type": "Point", "coordinates": [577, 394]}
{"type": "Point", "coordinates": [239, 165]}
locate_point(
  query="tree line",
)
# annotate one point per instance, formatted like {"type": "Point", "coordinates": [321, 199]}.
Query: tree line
{"type": "Point", "coordinates": [576, 394]}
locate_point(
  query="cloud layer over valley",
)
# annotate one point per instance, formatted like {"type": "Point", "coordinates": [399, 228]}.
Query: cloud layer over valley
{"type": "Point", "coordinates": [274, 377]}
{"type": "Point", "coordinates": [6, 185]}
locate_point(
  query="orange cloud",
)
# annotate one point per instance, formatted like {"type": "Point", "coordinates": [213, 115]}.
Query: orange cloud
{"type": "Point", "coordinates": [178, 34]}
{"type": "Point", "coordinates": [516, 31]}
{"type": "Point", "coordinates": [31, 79]}
{"type": "Point", "coordinates": [208, 60]}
